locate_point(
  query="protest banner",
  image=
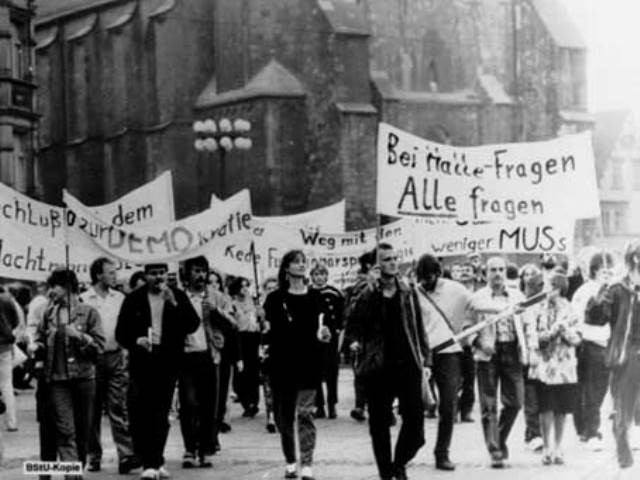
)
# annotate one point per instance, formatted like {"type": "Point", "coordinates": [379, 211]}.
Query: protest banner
{"type": "Point", "coordinates": [521, 182]}
{"type": "Point", "coordinates": [198, 234]}
{"type": "Point", "coordinates": [327, 219]}
{"type": "Point", "coordinates": [32, 233]}
{"type": "Point", "coordinates": [339, 252]}
{"type": "Point", "coordinates": [450, 239]}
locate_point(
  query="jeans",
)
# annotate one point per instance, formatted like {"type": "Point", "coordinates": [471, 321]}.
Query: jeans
{"type": "Point", "coordinates": [72, 406]}
{"type": "Point", "coordinates": [198, 392]}
{"type": "Point", "coordinates": [468, 383]}
{"type": "Point", "coordinates": [6, 388]}
{"type": "Point", "coordinates": [531, 413]}
{"type": "Point", "coordinates": [504, 367]}
{"type": "Point", "coordinates": [287, 401]}
{"type": "Point", "coordinates": [112, 381]}
{"type": "Point", "coordinates": [446, 373]}
{"type": "Point", "coordinates": [382, 389]}
{"type": "Point", "coordinates": [625, 390]}
{"type": "Point", "coordinates": [593, 380]}
{"type": "Point", "coordinates": [151, 387]}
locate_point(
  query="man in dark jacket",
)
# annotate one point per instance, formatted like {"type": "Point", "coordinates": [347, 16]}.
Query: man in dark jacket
{"type": "Point", "coordinates": [618, 305]}
{"type": "Point", "coordinates": [389, 335]}
{"type": "Point", "coordinates": [153, 324]}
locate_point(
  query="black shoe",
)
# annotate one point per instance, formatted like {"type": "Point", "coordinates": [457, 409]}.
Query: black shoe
{"type": "Point", "coordinates": [94, 466]}
{"type": "Point", "coordinates": [445, 464]}
{"type": "Point", "coordinates": [332, 413]}
{"type": "Point", "coordinates": [224, 427]}
{"type": "Point", "coordinates": [467, 418]}
{"type": "Point", "coordinates": [320, 413]}
{"type": "Point", "coordinates": [206, 461]}
{"type": "Point", "coordinates": [401, 473]}
{"type": "Point", "coordinates": [128, 464]}
{"type": "Point", "coordinates": [358, 414]}
{"type": "Point", "coordinates": [271, 427]}
{"type": "Point", "coordinates": [290, 474]}
{"type": "Point", "coordinates": [497, 463]}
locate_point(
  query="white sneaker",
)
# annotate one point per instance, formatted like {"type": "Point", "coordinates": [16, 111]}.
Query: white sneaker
{"type": "Point", "coordinates": [595, 444]}
{"type": "Point", "coordinates": [306, 472]}
{"type": "Point", "coordinates": [150, 474]}
{"type": "Point", "coordinates": [163, 473]}
{"type": "Point", "coordinates": [535, 444]}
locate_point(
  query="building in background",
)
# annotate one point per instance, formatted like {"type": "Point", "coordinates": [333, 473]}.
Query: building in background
{"type": "Point", "coordinates": [121, 83]}
{"type": "Point", "coordinates": [18, 119]}
{"type": "Point", "coordinates": [616, 144]}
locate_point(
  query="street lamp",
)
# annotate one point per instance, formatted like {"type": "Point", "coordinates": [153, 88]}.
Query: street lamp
{"type": "Point", "coordinates": [223, 136]}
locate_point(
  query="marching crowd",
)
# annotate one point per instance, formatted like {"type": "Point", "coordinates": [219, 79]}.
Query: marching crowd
{"type": "Point", "coordinates": [550, 341]}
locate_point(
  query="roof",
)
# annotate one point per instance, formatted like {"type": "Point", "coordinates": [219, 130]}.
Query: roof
{"type": "Point", "coordinates": [559, 23]}
{"type": "Point", "coordinates": [273, 80]}
{"type": "Point", "coordinates": [345, 16]}
{"type": "Point", "coordinates": [51, 8]}
{"type": "Point", "coordinates": [608, 128]}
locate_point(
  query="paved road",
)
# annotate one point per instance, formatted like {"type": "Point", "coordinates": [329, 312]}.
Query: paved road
{"type": "Point", "coordinates": [343, 451]}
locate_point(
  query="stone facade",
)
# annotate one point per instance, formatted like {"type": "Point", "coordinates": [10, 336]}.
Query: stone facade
{"type": "Point", "coordinates": [132, 76]}
{"type": "Point", "coordinates": [18, 119]}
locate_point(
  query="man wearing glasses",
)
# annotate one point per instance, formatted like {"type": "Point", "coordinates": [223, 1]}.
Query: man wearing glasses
{"type": "Point", "coordinates": [498, 351]}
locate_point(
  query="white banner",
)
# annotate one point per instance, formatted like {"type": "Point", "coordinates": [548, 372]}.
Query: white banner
{"type": "Point", "coordinates": [522, 182]}
{"type": "Point", "coordinates": [32, 233]}
{"type": "Point", "coordinates": [339, 252]}
{"type": "Point", "coordinates": [450, 240]}
{"type": "Point", "coordinates": [328, 219]}
{"type": "Point", "coordinates": [199, 234]}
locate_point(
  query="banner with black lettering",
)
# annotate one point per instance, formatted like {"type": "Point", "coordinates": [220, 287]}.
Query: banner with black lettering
{"type": "Point", "coordinates": [519, 182]}
{"type": "Point", "coordinates": [199, 234]}
{"type": "Point", "coordinates": [32, 233]}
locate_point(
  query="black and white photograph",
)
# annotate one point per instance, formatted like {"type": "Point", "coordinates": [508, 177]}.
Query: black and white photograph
{"type": "Point", "coordinates": [319, 239]}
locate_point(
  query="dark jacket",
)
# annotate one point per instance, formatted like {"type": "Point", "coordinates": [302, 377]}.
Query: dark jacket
{"type": "Point", "coordinates": [134, 321]}
{"type": "Point", "coordinates": [295, 355]}
{"type": "Point", "coordinates": [8, 322]}
{"type": "Point", "coordinates": [333, 301]}
{"type": "Point", "coordinates": [365, 325]}
{"type": "Point", "coordinates": [81, 353]}
{"type": "Point", "coordinates": [614, 305]}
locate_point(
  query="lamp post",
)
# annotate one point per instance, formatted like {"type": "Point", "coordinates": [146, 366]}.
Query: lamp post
{"type": "Point", "coordinates": [222, 136]}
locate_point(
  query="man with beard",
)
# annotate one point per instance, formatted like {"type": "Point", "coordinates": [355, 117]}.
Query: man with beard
{"type": "Point", "coordinates": [153, 324]}
{"type": "Point", "coordinates": [198, 382]}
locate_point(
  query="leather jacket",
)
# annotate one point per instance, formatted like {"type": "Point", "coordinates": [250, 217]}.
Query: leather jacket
{"type": "Point", "coordinates": [365, 325]}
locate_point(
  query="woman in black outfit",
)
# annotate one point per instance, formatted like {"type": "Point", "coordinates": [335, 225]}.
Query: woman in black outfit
{"type": "Point", "coordinates": [296, 331]}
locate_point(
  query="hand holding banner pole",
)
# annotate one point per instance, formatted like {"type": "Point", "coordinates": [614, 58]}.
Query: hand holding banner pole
{"type": "Point", "coordinates": [489, 321]}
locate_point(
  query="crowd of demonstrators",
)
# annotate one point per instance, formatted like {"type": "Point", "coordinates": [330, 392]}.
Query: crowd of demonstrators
{"type": "Point", "coordinates": [104, 351]}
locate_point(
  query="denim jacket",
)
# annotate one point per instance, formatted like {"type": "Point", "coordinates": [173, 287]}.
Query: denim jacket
{"type": "Point", "coordinates": [81, 353]}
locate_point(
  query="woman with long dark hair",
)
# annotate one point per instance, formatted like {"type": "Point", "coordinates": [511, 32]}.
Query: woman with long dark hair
{"type": "Point", "coordinates": [296, 331]}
